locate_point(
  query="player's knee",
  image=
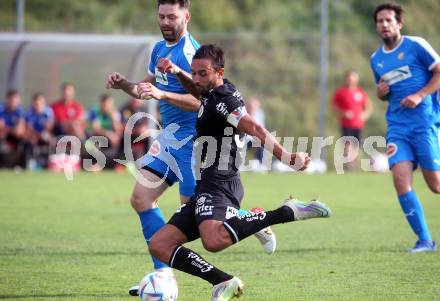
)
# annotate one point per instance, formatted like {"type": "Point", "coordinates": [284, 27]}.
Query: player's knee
{"type": "Point", "coordinates": [212, 245]}
{"type": "Point", "coordinates": [157, 246]}
{"type": "Point", "coordinates": [135, 201]}
{"type": "Point", "coordinates": [401, 183]}
{"type": "Point", "coordinates": [140, 202]}
{"type": "Point", "coordinates": [435, 188]}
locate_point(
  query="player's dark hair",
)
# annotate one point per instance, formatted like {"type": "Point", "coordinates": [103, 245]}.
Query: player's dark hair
{"type": "Point", "coordinates": [12, 92]}
{"type": "Point", "coordinates": [212, 52]}
{"type": "Point", "coordinates": [36, 96]}
{"type": "Point", "coordinates": [105, 97]}
{"type": "Point", "coordinates": [398, 11]}
{"type": "Point", "coordinates": [182, 3]}
{"type": "Point", "coordinates": [66, 84]}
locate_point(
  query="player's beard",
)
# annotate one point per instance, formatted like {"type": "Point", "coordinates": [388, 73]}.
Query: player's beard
{"type": "Point", "coordinates": [173, 34]}
{"type": "Point", "coordinates": [391, 40]}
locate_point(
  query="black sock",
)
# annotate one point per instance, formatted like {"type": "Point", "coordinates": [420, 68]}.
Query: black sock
{"type": "Point", "coordinates": [244, 226]}
{"type": "Point", "coordinates": [190, 262]}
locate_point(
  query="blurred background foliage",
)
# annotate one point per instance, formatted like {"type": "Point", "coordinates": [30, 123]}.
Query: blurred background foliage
{"type": "Point", "coordinates": [272, 46]}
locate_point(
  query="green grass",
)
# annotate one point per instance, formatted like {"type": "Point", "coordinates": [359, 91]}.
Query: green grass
{"type": "Point", "coordinates": [80, 240]}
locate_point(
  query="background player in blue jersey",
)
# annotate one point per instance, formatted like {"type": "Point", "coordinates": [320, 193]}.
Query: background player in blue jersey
{"type": "Point", "coordinates": [12, 131]}
{"type": "Point", "coordinates": [170, 156]}
{"type": "Point", "coordinates": [39, 126]}
{"type": "Point", "coordinates": [407, 73]}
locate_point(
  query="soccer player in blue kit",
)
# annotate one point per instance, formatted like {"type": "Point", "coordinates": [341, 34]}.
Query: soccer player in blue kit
{"type": "Point", "coordinates": [407, 73]}
{"type": "Point", "coordinates": [177, 109]}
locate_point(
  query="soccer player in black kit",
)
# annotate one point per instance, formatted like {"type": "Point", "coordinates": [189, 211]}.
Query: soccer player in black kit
{"type": "Point", "coordinates": [211, 214]}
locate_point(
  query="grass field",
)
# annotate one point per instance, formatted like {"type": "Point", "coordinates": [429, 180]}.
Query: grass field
{"type": "Point", "coordinates": [80, 240]}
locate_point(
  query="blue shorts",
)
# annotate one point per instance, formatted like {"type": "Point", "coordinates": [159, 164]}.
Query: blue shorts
{"type": "Point", "coordinates": [173, 165]}
{"type": "Point", "coordinates": [420, 146]}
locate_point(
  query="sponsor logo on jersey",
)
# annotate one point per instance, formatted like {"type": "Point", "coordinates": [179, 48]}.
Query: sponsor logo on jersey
{"type": "Point", "coordinates": [161, 78]}
{"type": "Point", "coordinates": [401, 56]}
{"type": "Point", "coordinates": [204, 210]}
{"type": "Point", "coordinates": [235, 117]}
{"type": "Point", "coordinates": [231, 212]}
{"type": "Point", "coordinates": [201, 200]}
{"type": "Point", "coordinates": [391, 149]}
{"type": "Point", "coordinates": [397, 75]}
{"type": "Point", "coordinates": [358, 96]}
{"type": "Point", "coordinates": [201, 110]}
{"type": "Point", "coordinates": [237, 95]}
{"type": "Point", "coordinates": [221, 108]}
{"type": "Point", "coordinates": [253, 216]}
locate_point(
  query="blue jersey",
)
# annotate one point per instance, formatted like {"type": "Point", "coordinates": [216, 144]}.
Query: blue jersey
{"type": "Point", "coordinates": [11, 118]}
{"type": "Point", "coordinates": [407, 69]}
{"type": "Point", "coordinates": [180, 54]}
{"type": "Point", "coordinates": [39, 121]}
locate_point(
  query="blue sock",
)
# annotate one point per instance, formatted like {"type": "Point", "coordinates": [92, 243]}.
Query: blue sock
{"type": "Point", "coordinates": [413, 210]}
{"type": "Point", "coordinates": [152, 220]}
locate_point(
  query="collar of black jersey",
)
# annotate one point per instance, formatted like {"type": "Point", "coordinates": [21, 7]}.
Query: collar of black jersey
{"type": "Point", "coordinates": [226, 89]}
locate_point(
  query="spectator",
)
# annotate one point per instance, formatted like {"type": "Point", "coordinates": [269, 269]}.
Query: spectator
{"type": "Point", "coordinates": [12, 131]}
{"type": "Point", "coordinates": [105, 121]}
{"type": "Point", "coordinates": [69, 114]}
{"type": "Point", "coordinates": [353, 109]}
{"type": "Point", "coordinates": [131, 107]}
{"type": "Point", "coordinates": [39, 127]}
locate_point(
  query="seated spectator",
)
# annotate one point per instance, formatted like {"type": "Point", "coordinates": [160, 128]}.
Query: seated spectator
{"type": "Point", "coordinates": [105, 121]}
{"type": "Point", "coordinates": [69, 114]}
{"type": "Point", "coordinates": [39, 126]}
{"type": "Point", "coordinates": [131, 107]}
{"type": "Point", "coordinates": [12, 132]}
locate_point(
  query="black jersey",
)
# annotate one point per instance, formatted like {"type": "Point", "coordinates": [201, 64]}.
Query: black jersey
{"type": "Point", "coordinates": [216, 149]}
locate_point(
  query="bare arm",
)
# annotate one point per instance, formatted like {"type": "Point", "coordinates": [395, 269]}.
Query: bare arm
{"type": "Point", "coordinates": [411, 101]}
{"type": "Point", "coordinates": [118, 81]}
{"type": "Point", "coordinates": [186, 102]}
{"type": "Point", "coordinates": [299, 161]}
{"type": "Point", "coordinates": [165, 65]}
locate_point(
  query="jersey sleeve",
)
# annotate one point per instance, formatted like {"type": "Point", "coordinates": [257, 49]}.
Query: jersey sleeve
{"type": "Point", "coordinates": [232, 109]}
{"type": "Point", "coordinates": [152, 64]}
{"type": "Point", "coordinates": [375, 74]}
{"type": "Point", "coordinates": [426, 53]}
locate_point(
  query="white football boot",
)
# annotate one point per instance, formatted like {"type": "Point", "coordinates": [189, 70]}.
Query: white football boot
{"type": "Point", "coordinates": [227, 290]}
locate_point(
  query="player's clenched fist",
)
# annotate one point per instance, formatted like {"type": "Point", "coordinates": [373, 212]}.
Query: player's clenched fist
{"type": "Point", "coordinates": [383, 89]}
{"type": "Point", "coordinates": [166, 66]}
{"type": "Point", "coordinates": [148, 91]}
{"type": "Point", "coordinates": [114, 81]}
{"type": "Point", "coordinates": [299, 161]}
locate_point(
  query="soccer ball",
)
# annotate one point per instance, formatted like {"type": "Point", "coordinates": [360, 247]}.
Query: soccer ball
{"type": "Point", "coordinates": [158, 286]}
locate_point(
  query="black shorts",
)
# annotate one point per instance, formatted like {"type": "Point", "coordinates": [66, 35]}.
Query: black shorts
{"type": "Point", "coordinates": [352, 132]}
{"type": "Point", "coordinates": [213, 200]}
